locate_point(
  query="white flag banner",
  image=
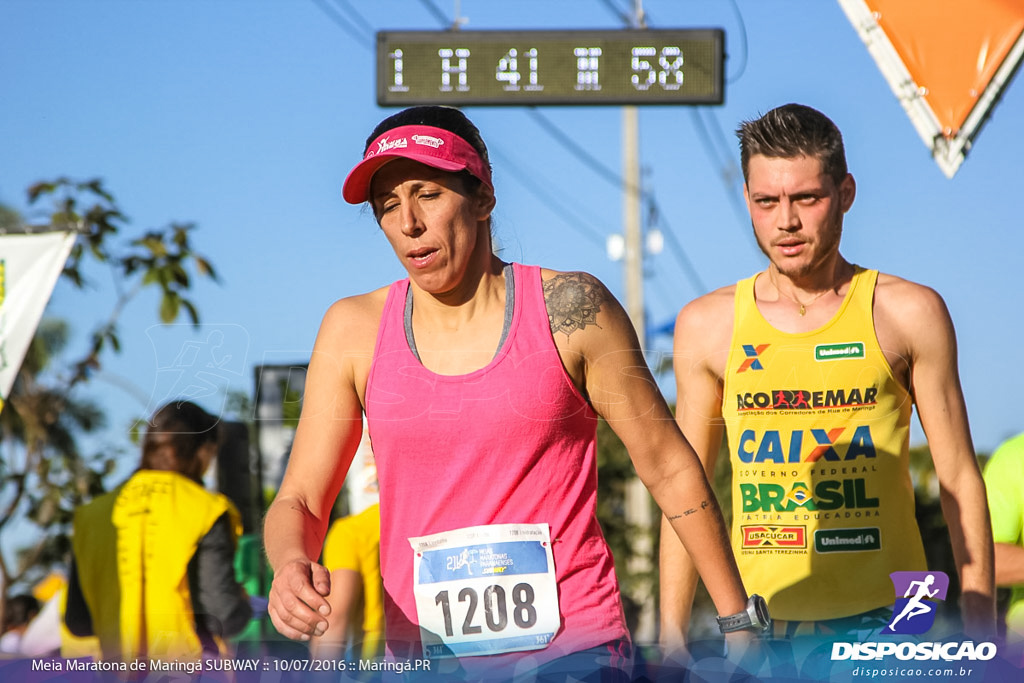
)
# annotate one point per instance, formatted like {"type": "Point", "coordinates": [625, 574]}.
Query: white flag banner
{"type": "Point", "coordinates": [29, 268]}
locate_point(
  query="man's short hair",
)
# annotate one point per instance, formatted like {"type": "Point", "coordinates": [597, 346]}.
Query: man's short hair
{"type": "Point", "coordinates": [794, 130]}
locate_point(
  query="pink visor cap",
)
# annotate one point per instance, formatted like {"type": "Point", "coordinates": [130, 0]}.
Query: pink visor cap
{"type": "Point", "coordinates": [428, 145]}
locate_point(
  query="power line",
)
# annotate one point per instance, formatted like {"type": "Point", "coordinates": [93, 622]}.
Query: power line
{"type": "Point", "coordinates": [338, 19]}
{"type": "Point", "coordinates": [353, 13]}
{"type": "Point", "coordinates": [525, 178]}
{"type": "Point", "coordinates": [743, 41]}
{"type": "Point", "coordinates": [623, 16]}
{"type": "Point", "coordinates": [724, 171]}
{"type": "Point", "coordinates": [438, 14]}
{"type": "Point", "coordinates": [657, 217]}
{"type": "Point", "coordinates": [583, 155]}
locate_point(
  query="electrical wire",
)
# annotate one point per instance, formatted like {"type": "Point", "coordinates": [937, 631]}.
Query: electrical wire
{"type": "Point", "coordinates": [583, 155]}
{"type": "Point", "coordinates": [622, 16]}
{"type": "Point", "coordinates": [438, 14]}
{"type": "Point", "coordinates": [353, 13]}
{"type": "Point", "coordinates": [743, 41]}
{"type": "Point", "coordinates": [525, 178]}
{"type": "Point", "coordinates": [723, 169]}
{"type": "Point", "coordinates": [338, 19]}
{"type": "Point", "coordinates": [657, 217]}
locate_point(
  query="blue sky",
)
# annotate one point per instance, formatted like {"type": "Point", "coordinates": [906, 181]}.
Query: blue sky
{"type": "Point", "coordinates": [244, 117]}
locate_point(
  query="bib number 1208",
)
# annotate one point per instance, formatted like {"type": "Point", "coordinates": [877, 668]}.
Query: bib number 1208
{"type": "Point", "coordinates": [495, 609]}
{"type": "Point", "coordinates": [485, 590]}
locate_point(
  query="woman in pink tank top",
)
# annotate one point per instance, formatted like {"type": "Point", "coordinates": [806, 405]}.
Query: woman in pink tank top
{"type": "Point", "coordinates": [481, 383]}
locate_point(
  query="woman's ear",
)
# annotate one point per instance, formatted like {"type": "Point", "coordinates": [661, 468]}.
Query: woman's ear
{"type": "Point", "coordinates": [487, 200]}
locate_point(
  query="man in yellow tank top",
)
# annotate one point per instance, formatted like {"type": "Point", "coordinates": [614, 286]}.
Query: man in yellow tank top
{"type": "Point", "coordinates": [811, 368]}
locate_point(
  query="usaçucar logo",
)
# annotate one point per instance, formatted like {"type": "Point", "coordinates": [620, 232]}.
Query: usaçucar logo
{"type": "Point", "coordinates": [914, 612]}
{"type": "Point", "coordinates": [764, 536]}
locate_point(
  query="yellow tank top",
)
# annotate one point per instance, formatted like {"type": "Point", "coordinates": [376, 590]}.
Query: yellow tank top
{"type": "Point", "coordinates": [132, 547]}
{"type": "Point", "coordinates": [353, 543]}
{"type": "Point", "coordinates": [818, 429]}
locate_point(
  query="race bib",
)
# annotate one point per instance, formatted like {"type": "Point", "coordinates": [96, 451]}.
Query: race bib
{"type": "Point", "coordinates": [485, 590]}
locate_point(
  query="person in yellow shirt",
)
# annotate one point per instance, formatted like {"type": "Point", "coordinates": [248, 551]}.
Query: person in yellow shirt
{"type": "Point", "coordinates": [1004, 480]}
{"type": "Point", "coordinates": [352, 555]}
{"type": "Point", "coordinates": [152, 574]}
{"type": "Point", "coordinates": [811, 368]}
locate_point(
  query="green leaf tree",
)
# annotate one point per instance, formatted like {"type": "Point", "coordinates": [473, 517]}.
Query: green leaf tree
{"type": "Point", "coordinates": [43, 473]}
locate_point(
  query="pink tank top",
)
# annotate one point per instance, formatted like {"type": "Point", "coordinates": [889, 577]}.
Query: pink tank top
{"type": "Point", "coordinates": [510, 443]}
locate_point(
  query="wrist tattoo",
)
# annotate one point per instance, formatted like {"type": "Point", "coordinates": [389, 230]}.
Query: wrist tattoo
{"type": "Point", "coordinates": [686, 513]}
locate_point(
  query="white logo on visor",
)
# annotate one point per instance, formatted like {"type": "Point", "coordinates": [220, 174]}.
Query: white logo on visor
{"type": "Point", "coordinates": [428, 140]}
{"type": "Point", "coordinates": [385, 144]}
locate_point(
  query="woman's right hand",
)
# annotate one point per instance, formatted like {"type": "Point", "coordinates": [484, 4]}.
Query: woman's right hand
{"type": "Point", "coordinates": [297, 604]}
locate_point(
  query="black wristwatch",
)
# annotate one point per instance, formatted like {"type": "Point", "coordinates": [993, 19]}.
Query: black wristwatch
{"type": "Point", "coordinates": [754, 618]}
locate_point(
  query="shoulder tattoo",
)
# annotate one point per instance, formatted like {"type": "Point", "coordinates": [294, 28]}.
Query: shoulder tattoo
{"type": "Point", "coordinates": [573, 301]}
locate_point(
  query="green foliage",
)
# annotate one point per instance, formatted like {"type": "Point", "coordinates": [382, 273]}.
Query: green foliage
{"type": "Point", "coordinates": [159, 258]}
{"type": "Point", "coordinates": [44, 474]}
{"type": "Point", "coordinates": [614, 471]}
{"type": "Point", "coordinates": [9, 219]}
{"type": "Point", "coordinates": [628, 541]}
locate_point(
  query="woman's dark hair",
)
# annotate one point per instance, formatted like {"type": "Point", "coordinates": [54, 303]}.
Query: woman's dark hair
{"type": "Point", "coordinates": [445, 118]}
{"type": "Point", "coordinates": [176, 433]}
{"type": "Point", "coordinates": [20, 610]}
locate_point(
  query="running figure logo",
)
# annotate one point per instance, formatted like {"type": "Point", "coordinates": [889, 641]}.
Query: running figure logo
{"type": "Point", "coordinates": [915, 612]}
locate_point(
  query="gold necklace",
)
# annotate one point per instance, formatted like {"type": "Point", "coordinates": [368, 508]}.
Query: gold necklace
{"type": "Point", "coordinates": [803, 307]}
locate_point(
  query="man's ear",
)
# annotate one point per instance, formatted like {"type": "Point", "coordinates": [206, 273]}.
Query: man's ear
{"type": "Point", "coordinates": [847, 192]}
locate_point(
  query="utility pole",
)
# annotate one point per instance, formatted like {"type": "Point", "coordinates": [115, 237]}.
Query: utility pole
{"type": "Point", "coordinates": [638, 500]}
{"type": "Point", "coordinates": [633, 259]}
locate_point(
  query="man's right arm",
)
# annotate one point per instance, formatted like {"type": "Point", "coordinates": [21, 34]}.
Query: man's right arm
{"type": "Point", "coordinates": [698, 413]}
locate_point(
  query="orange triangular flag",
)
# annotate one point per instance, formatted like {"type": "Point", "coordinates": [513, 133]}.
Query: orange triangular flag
{"type": "Point", "coordinates": [948, 61]}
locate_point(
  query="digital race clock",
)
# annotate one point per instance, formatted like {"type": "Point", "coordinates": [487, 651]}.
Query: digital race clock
{"type": "Point", "coordinates": [676, 66]}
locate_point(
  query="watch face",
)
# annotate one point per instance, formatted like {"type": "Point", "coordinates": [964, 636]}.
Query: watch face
{"type": "Point", "coordinates": [761, 608]}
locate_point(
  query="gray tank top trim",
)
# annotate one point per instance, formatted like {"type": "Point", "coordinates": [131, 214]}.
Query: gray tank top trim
{"type": "Point", "coordinates": [510, 297]}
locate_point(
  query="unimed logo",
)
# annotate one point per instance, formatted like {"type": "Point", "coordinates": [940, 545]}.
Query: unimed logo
{"type": "Point", "coordinates": [914, 612]}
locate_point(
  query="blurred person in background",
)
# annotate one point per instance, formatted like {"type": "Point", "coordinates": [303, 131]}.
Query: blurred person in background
{"type": "Point", "coordinates": [153, 574]}
{"type": "Point", "coordinates": [1004, 481]}
{"type": "Point", "coordinates": [352, 555]}
{"type": "Point", "coordinates": [21, 609]}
